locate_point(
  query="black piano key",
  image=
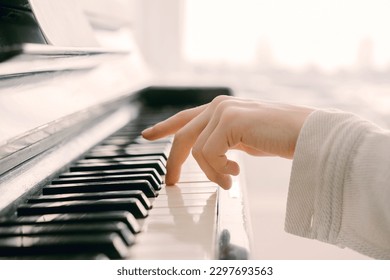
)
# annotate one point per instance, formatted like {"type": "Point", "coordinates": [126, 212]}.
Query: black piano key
{"type": "Point", "coordinates": [128, 154]}
{"type": "Point", "coordinates": [10, 230]}
{"type": "Point", "coordinates": [104, 173]}
{"type": "Point", "coordinates": [148, 151]}
{"type": "Point", "coordinates": [132, 205]}
{"type": "Point", "coordinates": [108, 178]}
{"type": "Point", "coordinates": [98, 160]}
{"type": "Point", "coordinates": [141, 140]}
{"type": "Point", "coordinates": [76, 218]}
{"type": "Point", "coordinates": [106, 147]}
{"type": "Point", "coordinates": [65, 256]}
{"type": "Point", "coordinates": [117, 141]}
{"type": "Point", "coordinates": [141, 185]}
{"type": "Point", "coordinates": [70, 229]}
{"type": "Point", "coordinates": [133, 146]}
{"type": "Point", "coordinates": [157, 165]}
{"type": "Point", "coordinates": [93, 196]}
{"type": "Point", "coordinates": [110, 245]}
{"type": "Point", "coordinates": [130, 132]}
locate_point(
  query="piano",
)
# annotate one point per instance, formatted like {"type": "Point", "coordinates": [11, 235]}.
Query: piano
{"type": "Point", "coordinates": [77, 181]}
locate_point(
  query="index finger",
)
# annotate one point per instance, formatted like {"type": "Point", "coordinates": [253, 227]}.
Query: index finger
{"type": "Point", "coordinates": [173, 124]}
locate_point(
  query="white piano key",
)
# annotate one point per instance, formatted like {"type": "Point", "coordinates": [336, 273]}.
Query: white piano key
{"type": "Point", "coordinates": [186, 200]}
{"type": "Point", "coordinates": [182, 223]}
{"type": "Point", "coordinates": [170, 251]}
{"type": "Point", "coordinates": [189, 190]}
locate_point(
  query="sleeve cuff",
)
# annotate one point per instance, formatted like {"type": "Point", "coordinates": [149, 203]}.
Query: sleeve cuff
{"type": "Point", "coordinates": [315, 198]}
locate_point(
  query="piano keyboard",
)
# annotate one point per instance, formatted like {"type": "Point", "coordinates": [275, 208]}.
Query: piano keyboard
{"type": "Point", "coordinates": [112, 204]}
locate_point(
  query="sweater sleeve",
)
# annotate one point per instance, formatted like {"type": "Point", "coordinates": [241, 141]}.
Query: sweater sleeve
{"type": "Point", "coordinates": [339, 189]}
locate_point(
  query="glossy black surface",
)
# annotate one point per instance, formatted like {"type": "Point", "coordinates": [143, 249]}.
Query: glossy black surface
{"type": "Point", "coordinates": [18, 26]}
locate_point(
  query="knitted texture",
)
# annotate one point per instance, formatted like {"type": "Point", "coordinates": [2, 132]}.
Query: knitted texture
{"type": "Point", "coordinates": [340, 183]}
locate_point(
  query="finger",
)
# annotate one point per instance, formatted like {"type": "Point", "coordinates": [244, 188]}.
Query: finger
{"type": "Point", "coordinates": [178, 154]}
{"type": "Point", "coordinates": [216, 147]}
{"type": "Point", "coordinates": [172, 124]}
{"type": "Point", "coordinates": [222, 180]}
{"type": "Point", "coordinates": [202, 149]}
{"type": "Point", "coordinates": [182, 144]}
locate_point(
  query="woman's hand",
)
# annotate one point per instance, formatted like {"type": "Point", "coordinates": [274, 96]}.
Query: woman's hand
{"type": "Point", "coordinates": [256, 127]}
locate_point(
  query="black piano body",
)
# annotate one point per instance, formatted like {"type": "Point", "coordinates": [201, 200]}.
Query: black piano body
{"type": "Point", "coordinates": [76, 179]}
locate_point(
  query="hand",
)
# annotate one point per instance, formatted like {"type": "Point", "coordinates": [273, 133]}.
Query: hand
{"type": "Point", "coordinates": [258, 128]}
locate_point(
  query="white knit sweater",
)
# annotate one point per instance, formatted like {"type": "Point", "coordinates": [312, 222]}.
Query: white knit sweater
{"type": "Point", "coordinates": [340, 183]}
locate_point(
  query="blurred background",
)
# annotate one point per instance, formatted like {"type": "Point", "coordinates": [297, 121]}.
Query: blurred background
{"type": "Point", "coordinates": [324, 53]}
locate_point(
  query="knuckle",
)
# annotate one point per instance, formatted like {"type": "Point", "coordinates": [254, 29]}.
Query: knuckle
{"type": "Point", "coordinates": [228, 112]}
{"type": "Point", "coordinates": [207, 152]}
{"type": "Point", "coordinates": [220, 98]}
{"type": "Point", "coordinates": [196, 152]}
{"type": "Point", "coordinates": [182, 114]}
{"type": "Point", "coordinates": [179, 137]}
{"type": "Point", "coordinates": [226, 104]}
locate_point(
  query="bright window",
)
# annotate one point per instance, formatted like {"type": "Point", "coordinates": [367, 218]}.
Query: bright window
{"type": "Point", "coordinates": [293, 33]}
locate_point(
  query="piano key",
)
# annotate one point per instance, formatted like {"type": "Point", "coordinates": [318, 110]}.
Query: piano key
{"type": "Point", "coordinates": [76, 218]}
{"type": "Point", "coordinates": [170, 251]}
{"type": "Point", "coordinates": [131, 205]}
{"type": "Point", "coordinates": [184, 200]}
{"type": "Point", "coordinates": [93, 196]}
{"type": "Point", "coordinates": [168, 228]}
{"type": "Point", "coordinates": [120, 177]}
{"type": "Point", "coordinates": [188, 190]}
{"type": "Point", "coordinates": [117, 140]}
{"type": "Point", "coordinates": [75, 256]}
{"type": "Point", "coordinates": [106, 148]}
{"type": "Point", "coordinates": [111, 245]}
{"type": "Point", "coordinates": [148, 151]}
{"type": "Point", "coordinates": [141, 185]}
{"type": "Point", "coordinates": [157, 165]}
{"type": "Point", "coordinates": [133, 147]}
{"type": "Point", "coordinates": [192, 210]}
{"type": "Point", "coordinates": [97, 160]}
{"type": "Point", "coordinates": [193, 177]}
{"type": "Point", "coordinates": [128, 153]}
{"type": "Point", "coordinates": [130, 131]}
{"type": "Point", "coordinates": [102, 173]}
{"type": "Point", "coordinates": [141, 140]}
{"type": "Point", "coordinates": [70, 229]}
